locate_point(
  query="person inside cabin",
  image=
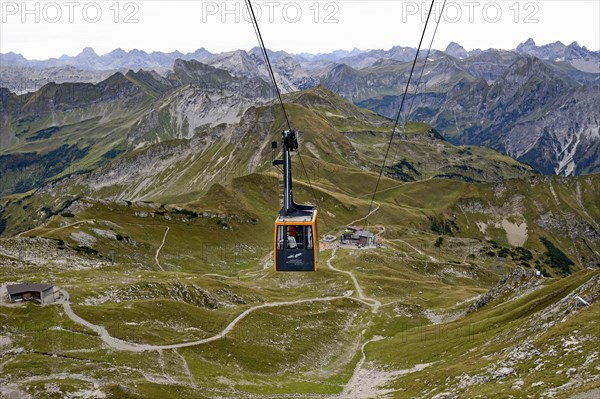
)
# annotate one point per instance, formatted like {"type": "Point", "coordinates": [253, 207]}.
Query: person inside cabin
{"type": "Point", "coordinates": [294, 237]}
{"type": "Point", "coordinates": [292, 244]}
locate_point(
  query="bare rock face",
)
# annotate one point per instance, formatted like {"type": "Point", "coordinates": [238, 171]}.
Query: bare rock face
{"type": "Point", "coordinates": [577, 56]}
{"type": "Point", "coordinates": [536, 111]}
{"type": "Point", "coordinates": [512, 285]}
{"type": "Point", "coordinates": [502, 372]}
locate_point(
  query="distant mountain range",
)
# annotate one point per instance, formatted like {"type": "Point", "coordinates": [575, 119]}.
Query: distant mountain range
{"type": "Point", "coordinates": [116, 59]}
{"type": "Point", "coordinates": [87, 60]}
{"type": "Point", "coordinates": [537, 104]}
{"type": "Point", "coordinates": [540, 112]}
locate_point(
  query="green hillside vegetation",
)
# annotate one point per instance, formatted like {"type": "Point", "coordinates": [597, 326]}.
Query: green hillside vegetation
{"type": "Point", "coordinates": [472, 291]}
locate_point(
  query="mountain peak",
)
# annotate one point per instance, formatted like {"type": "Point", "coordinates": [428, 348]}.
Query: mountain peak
{"type": "Point", "coordinates": [117, 51]}
{"type": "Point", "coordinates": [202, 52]}
{"type": "Point", "coordinates": [256, 51]}
{"type": "Point", "coordinates": [527, 47]}
{"type": "Point", "coordinates": [88, 51]}
{"type": "Point", "coordinates": [454, 45]}
{"type": "Point", "coordinates": [456, 50]}
{"type": "Point", "coordinates": [13, 55]}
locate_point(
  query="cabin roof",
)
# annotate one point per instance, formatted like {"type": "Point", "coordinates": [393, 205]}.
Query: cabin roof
{"type": "Point", "coordinates": [301, 218]}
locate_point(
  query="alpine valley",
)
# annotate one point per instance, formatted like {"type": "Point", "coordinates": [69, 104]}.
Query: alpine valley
{"type": "Point", "coordinates": [141, 186]}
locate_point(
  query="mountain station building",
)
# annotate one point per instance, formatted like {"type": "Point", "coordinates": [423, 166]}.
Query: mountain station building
{"type": "Point", "coordinates": [42, 293]}
{"type": "Point", "coordinates": [360, 238]}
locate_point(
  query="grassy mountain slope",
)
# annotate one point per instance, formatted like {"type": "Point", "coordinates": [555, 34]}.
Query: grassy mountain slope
{"type": "Point", "coordinates": [333, 133]}
{"type": "Point", "coordinates": [170, 242]}
{"type": "Point", "coordinates": [72, 127]}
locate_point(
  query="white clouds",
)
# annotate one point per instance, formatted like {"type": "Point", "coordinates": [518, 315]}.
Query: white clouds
{"type": "Point", "coordinates": [65, 27]}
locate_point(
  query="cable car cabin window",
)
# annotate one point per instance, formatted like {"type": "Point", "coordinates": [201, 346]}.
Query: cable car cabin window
{"type": "Point", "coordinates": [317, 243]}
{"type": "Point", "coordinates": [280, 242]}
{"type": "Point", "coordinates": [295, 237]}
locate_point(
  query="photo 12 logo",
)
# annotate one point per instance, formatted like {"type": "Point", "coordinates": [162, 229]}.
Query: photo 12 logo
{"type": "Point", "coordinates": [271, 11]}
{"type": "Point", "coordinates": [473, 11]}
{"type": "Point", "coordinates": [69, 11]}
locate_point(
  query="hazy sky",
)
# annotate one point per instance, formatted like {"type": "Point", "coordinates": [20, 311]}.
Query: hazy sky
{"type": "Point", "coordinates": [43, 29]}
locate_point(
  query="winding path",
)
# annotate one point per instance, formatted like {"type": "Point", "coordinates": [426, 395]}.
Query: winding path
{"type": "Point", "coordinates": [55, 229]}
{"type": "Point", "coordinates": [350, 389]}
{"type": "Point", "coordinates": [417, 250]}
{"type": "Point", "coordinates": [373, 303]}
{"type": "Point", "coordinates": [162, 244]}
{"type": "Point", "coordinates": [266, 261]}
{"type": "Point", "coordinates": [354, 387]}
{"type": "Point", "coordinates": [365, 217]}
{"type": "Point", "coordinates": [133, 347]}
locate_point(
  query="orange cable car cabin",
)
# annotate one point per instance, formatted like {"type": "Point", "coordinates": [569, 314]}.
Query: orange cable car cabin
{"type": "Point", "coordinates": [296, 236]}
